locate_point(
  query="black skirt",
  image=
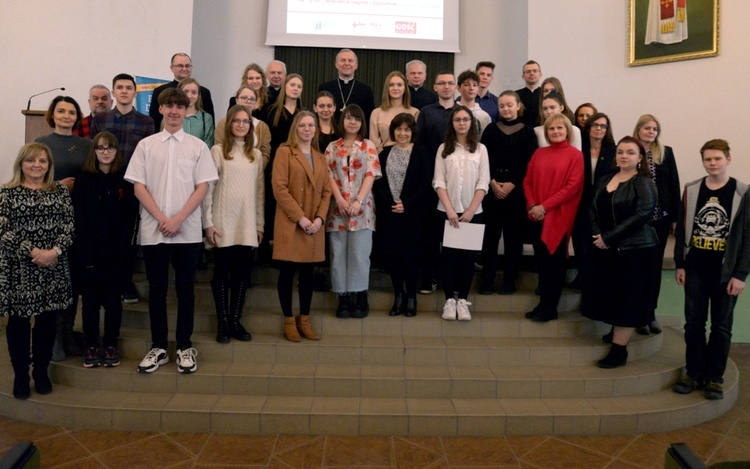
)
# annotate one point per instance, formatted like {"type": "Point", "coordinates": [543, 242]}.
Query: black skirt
{"type": "Point", "coordinates": [620, 288]}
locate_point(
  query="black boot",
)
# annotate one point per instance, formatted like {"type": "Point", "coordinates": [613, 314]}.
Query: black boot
{"type": "Point", "coordinates": [18, 336]}
{"type": "Point", "coordinates": [42, 338]}
{"type": "Point", "coordinates": [239, 289]}
{"type": "Point", "coordinates": [220, 290]}
{"type": "Point", "coordinates": [411, 306]}
{"type": "Point", "coordinates": [343, 309]}
{"type": "Point", "coordinates": [361, 307]}
{"type": "Point", "coordinates": [617, 356]}
{"type": "Point", "coordinates": [607, 338]}
{"type": "Point", "coordinates": [396, 308]}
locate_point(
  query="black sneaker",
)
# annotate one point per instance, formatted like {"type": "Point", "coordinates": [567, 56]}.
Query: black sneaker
{"type": "Point", "coordinates": [111, 357]}
{"type": "Point", "coordinates": [507, 288]}
{"type": "Point", "coordinates": [91, 358]}
{"type": "Point", "coordinates": [130, 295]}
{"type": "Point", "coordinates": [686, 385]}
{"type": "Point", "coordinates": [713, 390]}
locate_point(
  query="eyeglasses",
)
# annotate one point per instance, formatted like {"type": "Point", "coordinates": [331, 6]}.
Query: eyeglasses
{"type": "Point", "coordinates": [105, 149]}
{"type": "Point", "coordinates": [599, 126]}
{"type": "Point", "coordinates": [187, 66]}
{"type": "Point", "coordinates": [443, 83]}
{"type": "Point", "coordinates": [241, 121]}
{"type": "Point", "coordinates": [459, 120]}
{"type": "Point", "coordinates": [246, 99]}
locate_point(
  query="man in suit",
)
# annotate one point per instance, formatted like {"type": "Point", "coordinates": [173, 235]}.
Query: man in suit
{"type": "Point", "coordinates": [181, 67]}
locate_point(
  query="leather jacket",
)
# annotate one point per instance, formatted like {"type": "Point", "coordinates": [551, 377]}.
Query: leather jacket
{"type": "Point", "coordinates": [632, 205]}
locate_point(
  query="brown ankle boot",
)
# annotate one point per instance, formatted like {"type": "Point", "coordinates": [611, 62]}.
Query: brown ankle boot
{"type": "Point", "coordinates": [290, 330]}
{"type": "Point", "coordinates": [304, 327]}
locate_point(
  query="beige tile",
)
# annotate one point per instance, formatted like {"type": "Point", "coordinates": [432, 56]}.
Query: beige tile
{"type": "Point", "coordinates": [235, 423]}
{"type": "Point", "coordinates": [427, 325]}
{"type": "Point", "coordinates": [621, 424]}
{"type": "Point", "coordinates": [94, 419]}
{"type": "Point", "coordinates": [136, 420]}
{"type": "Point", "coordinates": [186, 420]}
{"type": "Point", "coordinates": [239, 404]}
{"type": "Point", "coordinates": [381, 326]}
{"type": "Point", "coordinates": [305, 352]}
{"type": "Point", "coordinates": [337, 387]}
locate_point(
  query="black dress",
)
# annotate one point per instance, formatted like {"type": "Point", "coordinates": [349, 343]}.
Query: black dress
{"type": "Point", "coordinates": [619, 290]}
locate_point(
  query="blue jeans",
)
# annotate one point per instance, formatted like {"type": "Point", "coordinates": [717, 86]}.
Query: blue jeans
{"type": "Point", "coordinates": [350, 260]}
{"type": "Point", "coordinates": [707, 360]}
{"type": "Point", "coordinates": [184, 259]}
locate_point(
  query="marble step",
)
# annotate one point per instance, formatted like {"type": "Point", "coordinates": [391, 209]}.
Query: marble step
{"type": "Point", "coordinates": [518, 372]}
{"type": "Point", "coordinates": [166, 411]}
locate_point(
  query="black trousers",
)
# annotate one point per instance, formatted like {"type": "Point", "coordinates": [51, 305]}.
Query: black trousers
{"type": "Point", "coordinates": [23, 341]}
{"type": "Point", "coordinates": [285, 286]}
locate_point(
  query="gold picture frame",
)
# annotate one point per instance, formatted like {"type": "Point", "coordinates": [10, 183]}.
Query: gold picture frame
{"type": "Point", "coordinates": [658, 30]}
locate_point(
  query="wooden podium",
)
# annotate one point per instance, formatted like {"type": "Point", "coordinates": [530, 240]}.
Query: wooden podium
{"type": "Point", "coordinates": [36, 126]}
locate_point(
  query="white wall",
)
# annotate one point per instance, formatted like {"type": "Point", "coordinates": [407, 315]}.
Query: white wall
{"type": "Point", "coordinates": [77, 43]}
{"type": "Point", "coordinates": [583, 42]}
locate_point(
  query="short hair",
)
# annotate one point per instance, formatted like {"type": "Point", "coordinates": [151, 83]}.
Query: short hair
{"type": "Point", "coordinates": [485, 63]}
{"type": "Point", "coordinates": [123, 76]}
{"type": "Point", "coordinates": [403, 118]}
{"type": "Point", "coordinates": [292, 140]}
{"type": "Point", "coordinates": [531, 62]}
{"type": "Point", "coordinates": [283, 65]}
{"type": "Point", "coordinates": [228, 143]}
{"type": "Point", "coordinates": [415, 62]}
{"type": "Point", "coordinates": [356, 112]}
{"type": "Point", "coordinates": [467, 75]}
{"type": "Point", "coordinates": [180, 54]}
{"type": "Point", "coordinates": [33, 149]}
{"type": "Point", "coordinates": [609, 138]}
{"type": "Point", "coordinates": [98, 86]}
{"type": "Point", "coordinates": [192, 81]}
{"type": "Point", "coordinates": [643, 168]}
{"type": "Point", "coordinates": [172, 96]}
{"type": "Point", "coordinates": [716, 144]}
{"type": "Point", "coordinates": [245, 87]}
{"type": "Point", "coordinates": [385, 99]}
{"type": "Point", "coordinates": [347, 50]}
{"type": "Point", "coordinates": [444, 72]}
{"type": "Point", "coordinates": [558, 117]}
{"type": "Point", "coordinates": [49, 116]}
{"type": "Point", "coordinates": [91, 165]}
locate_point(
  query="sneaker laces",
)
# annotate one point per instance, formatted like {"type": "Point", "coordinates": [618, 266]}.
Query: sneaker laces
{"type": "Point", "coordinates": [188, 353]}
{"type": "Point", "coordinates": [152, 354]}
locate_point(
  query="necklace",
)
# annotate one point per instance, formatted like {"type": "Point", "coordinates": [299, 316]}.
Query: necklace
{"type": "Point", "coordinates": [341, 92]}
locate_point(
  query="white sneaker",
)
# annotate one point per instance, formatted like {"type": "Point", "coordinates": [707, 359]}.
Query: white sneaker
{"type": "Point", "coordinates": [449, 310]}
{"type": "Point", "coordinates": [186, 360]}
{"type": "Point", "coordinates": [153, 360]}
{"type": "Point", "coordinates": [462, 310]}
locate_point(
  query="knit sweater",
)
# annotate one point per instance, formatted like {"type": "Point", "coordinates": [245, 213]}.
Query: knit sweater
{"type": "Point", "coordinates": [554, 180]}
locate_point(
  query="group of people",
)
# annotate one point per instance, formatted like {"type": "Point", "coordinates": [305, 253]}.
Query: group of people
{"type": "Point", "coordinates": [313, 186]}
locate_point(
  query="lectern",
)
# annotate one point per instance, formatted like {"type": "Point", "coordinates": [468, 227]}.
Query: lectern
{"type": "Point", "coordinates": [36, 126]}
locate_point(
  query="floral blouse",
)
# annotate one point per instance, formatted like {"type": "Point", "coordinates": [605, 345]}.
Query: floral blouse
{"type": "Point", "coordinates": [348, 172]}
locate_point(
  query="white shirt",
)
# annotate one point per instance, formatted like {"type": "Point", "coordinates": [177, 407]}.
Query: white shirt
{"type": "Point", "coordinates": [170, 166]}
{"type": "Point", "coordinates": [461, 174]}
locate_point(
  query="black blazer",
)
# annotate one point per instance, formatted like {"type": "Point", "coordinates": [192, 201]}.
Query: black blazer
{"type": "Point", "coordinates": [668, 184]}
{"type": "Point", "coordinates": [632, 205]}
{"type": "Point", "coordinates": [405, 233]}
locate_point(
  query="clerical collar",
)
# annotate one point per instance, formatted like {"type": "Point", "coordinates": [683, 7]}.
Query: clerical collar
{"type": "Point", "coordinates": [346, 82]}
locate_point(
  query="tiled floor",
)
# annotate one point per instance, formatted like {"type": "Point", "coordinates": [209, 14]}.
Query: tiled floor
{"type": "Point", "coordinates": [723, 439]}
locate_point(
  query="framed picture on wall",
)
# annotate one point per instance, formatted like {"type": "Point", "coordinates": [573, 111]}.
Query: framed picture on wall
{"type": "Point", "coordinates": [670, 30]}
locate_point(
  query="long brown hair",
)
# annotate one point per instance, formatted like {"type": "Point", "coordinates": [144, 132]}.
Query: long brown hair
{"type": "Point", "coordinates": [385, 99]}
{"type": "Point", "coordinates": [656, 147]}
{"type": "Point", "coordinates": [450, 137]}
{"type": "Point", "coordinates": [228, 143]}
{"type": "Point", "coordinates": [262, 93]}
{"type": "Point", "coordinates": [190, 80]}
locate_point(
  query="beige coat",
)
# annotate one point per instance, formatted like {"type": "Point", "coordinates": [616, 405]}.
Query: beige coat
{"type": "Point", "coordinates": [299, 191]}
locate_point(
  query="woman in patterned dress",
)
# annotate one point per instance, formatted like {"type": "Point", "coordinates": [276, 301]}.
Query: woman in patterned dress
{"type": "Point", "coordinates": [36, 230]}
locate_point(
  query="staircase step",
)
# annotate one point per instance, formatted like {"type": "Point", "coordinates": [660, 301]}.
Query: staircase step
{"type": "Point", "coordinates": [170, 411]}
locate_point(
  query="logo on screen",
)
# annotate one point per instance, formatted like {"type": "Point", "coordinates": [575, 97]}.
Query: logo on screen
{"type": "Point", "coordinates": [406, 27]}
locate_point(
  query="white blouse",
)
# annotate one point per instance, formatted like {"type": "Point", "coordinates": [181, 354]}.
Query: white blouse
{"type": "Point", "coordinates": [462, 173]}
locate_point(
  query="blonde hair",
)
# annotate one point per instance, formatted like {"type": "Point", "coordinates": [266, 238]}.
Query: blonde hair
{"type": "Point", "coordinates": [293, 140]}
{"type": "Point", "coordinates": [558, 117]}
{"type": "Point", "coordinates": [656, 148]}
{"type": "Point", "coordinates": [32, 150]}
